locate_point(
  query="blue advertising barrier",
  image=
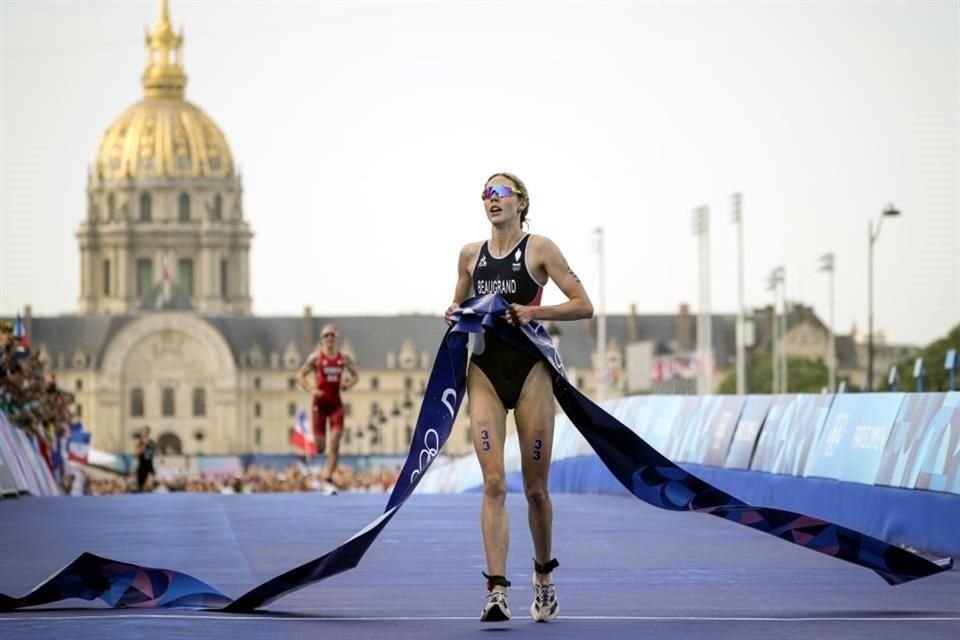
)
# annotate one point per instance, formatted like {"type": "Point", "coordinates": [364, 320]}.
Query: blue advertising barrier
{"type": "Point", "coordinates": [27, 467]}
{"type": "Point", "coordinates": [852, 442]}
{"type": "Point", "coordinates": [10, 445]}
{"type": "Point", "coordinates": [8, 482]}
{"type": "Point", "coordinates": [704, 438]}
{"type": "Point", "coordinates": [655, 418]}
{"type": "Point", "coordinates": [748, 428]}
{"type": "Point", "coordinates": [904, 453]}
{"type": "Point", "coordinates": [792, 426]}
{"type": "Point", "coordinates": [940, 465]}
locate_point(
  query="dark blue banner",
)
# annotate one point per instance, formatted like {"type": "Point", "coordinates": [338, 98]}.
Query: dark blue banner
{"type": "Point", "coordinates": [639, 467]}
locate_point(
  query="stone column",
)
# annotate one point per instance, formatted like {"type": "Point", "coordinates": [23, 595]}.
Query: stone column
{"type": "Point", "coordinates": [121, 275]}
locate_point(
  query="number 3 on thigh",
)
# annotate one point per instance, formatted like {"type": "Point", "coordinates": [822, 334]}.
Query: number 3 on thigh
{"type": "Point", "coordinates": [537, 446]}
{"type": "Point", "coordinates": [485, 440]}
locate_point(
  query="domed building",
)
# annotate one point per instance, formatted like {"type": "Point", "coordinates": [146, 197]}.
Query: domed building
{"type": "Point", "coordinates": [164, 199]}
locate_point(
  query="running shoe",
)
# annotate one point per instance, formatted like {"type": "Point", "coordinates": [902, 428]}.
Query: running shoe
{"type": "Point", "coordinates": [327, 488]}
{"type": "Point", "coordinates": [545, 606]}
{"type": "Point", "coordinates": [497, 609]}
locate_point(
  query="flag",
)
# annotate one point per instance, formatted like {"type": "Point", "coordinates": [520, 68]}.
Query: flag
{"type": "Point", "coordinates": [56, 458]}
{"type": "Point", "coordinates": [78, 445]}
{"type": "Point", "coordinates": [302, 435]}
{"type": "Point", "coordinates": [20, 331]}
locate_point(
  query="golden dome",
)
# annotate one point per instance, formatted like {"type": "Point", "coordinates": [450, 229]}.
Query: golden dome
{"type": "Point", "coordinates": [163, 135]}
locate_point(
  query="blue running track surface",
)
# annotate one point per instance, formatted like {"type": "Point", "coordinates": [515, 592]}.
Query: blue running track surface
{"type": "Point", "coordinates": [626, 571]}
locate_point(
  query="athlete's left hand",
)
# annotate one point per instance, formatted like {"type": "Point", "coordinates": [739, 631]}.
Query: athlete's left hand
{"type": "Point", "coordinates": [519, 315]}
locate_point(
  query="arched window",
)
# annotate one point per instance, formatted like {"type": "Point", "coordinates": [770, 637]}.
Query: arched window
{"type": "Point", "coordinates": [199, 402]}
{"type": "Point", "coordinates": [185, 275]}
{"type": "Point", "coordinates": [146, 207]}
{"type": "Point", "coordinates": [218, 207]}
{"type": "Point", "coordinates": [111, 206]}
{"type": "Point", "coordinates": [136, 402]}
{"type": "Point", "coordinates": [183, 208]}
{"type": "Point", "coordinates": [106, 277]}
{"type": "Point", "coordinates": [224, 288]}
{"type": "Point", "coordinates": [144, 276]}
{"type": "Point", "coordinates": [167, 408]}
{"type": "Point", "coordinates": [169, 444]}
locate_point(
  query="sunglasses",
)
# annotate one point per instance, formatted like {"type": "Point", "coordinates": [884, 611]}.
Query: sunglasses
{"type": "Point", "coordinates": [501, 191]}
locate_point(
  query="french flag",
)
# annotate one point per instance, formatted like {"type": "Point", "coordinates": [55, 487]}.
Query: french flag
{"type": "Point", "coordinates": [78, 444]}
{"type": "Point", "coordinates": [20, 331]}
{"type": "Point", "coordinates": [302, 435]}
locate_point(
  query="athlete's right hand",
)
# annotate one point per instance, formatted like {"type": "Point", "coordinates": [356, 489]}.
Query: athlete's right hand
{"type": "Point", "coordinates": [318, 394]}
{"type": "Point", "coordinates": [448, 314]}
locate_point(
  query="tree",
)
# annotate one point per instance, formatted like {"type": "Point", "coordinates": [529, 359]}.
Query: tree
{"type": "Point", "coordinates": [804, 375]}
{"type": "Point", "coordinates": [933, 356]}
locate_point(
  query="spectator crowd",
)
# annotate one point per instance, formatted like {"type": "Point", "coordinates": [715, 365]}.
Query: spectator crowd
{"type": "Point", "coordinates": [29, 395]}
{"type": "Point", "coordinates": [255, 479]}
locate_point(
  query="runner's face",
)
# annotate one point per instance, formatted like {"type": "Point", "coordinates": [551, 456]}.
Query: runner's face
{"type": "Point", "coordinates": [329, 337]}
{"type": "Point", "coordinates": [502, 210]}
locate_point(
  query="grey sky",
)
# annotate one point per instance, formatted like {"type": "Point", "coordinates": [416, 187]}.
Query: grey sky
{"type": "Point", "coordinates": [365, 130]}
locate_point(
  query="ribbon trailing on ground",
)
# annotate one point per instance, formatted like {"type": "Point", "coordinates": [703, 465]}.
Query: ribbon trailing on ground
{"type": "Point", "coordinates": [639, 467]}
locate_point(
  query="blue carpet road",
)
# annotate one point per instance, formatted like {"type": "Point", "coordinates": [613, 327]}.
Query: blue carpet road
{"type": "Point", "coordinates": [627, 571]}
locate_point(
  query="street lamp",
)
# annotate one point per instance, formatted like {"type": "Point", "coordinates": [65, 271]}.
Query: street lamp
{"type": "Point", "coordinates": [736, 215]}
{"type": "Point", "coordinates": [601, 319]}
{"type": "Point", "coordinates": [395, 441]}
{"type": "Point", "coordinates": [407, 410]}
{"type": "Point", "coordinates": [701, 228]}
{"type": "Point", "coordinates": [775, 280]}
{"type": "Point", "coordinates": [872, 235]}
{"type": "Point", "coordinates": [827, 264]}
